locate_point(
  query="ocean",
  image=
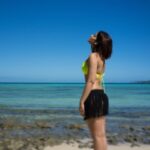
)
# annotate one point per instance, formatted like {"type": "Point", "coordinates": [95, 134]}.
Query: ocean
{"type": "Point", "coordinates": [27, 110]}
{"type": "Point", "coordinates": [67, 95]}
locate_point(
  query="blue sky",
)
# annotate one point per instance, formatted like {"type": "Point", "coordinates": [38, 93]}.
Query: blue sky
{"type": "Point", "coordinates": [46, 41]}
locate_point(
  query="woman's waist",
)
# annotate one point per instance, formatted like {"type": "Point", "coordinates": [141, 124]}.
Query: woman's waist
{"type": "Point", "coordinates": [97, 87]}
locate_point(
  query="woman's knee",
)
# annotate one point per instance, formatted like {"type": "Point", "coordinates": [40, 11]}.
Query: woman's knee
{"type": "Point", "coordinates": [99, 135]}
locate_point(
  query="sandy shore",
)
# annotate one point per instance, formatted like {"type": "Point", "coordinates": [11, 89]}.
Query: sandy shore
{"type": "Point", "coordinates": [75, 146]}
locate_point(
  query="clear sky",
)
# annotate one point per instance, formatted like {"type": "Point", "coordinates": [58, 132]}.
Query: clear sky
{"type": "Point", "coordinates": [46, 41]}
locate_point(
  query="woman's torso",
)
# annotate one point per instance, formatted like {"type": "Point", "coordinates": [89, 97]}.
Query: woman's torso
{"type": "Point", "coordinates": [100, 71]}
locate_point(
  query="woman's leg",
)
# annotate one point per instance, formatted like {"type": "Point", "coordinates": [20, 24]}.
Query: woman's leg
{"type": "Point", "coordinates": [97, 129]}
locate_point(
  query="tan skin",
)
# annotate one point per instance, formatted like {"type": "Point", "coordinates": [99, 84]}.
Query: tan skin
{"type": "Point", "coordinates": [95, 125]}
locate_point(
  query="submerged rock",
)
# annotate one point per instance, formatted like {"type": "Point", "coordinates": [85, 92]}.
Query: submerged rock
{"type": "Point", "coordinates": [112, 139]}
{"type": "Point", "coordinates": [43, 124]}
{"type": "Point", "coordinates": [76, 126]}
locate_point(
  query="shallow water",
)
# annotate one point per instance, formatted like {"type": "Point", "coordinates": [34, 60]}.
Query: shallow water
{"type": "Point", "coordinates": [57, 104]}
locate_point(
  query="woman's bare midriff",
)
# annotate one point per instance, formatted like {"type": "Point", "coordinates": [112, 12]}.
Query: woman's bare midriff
{"type": "Point", "coordinates": [96, 85]}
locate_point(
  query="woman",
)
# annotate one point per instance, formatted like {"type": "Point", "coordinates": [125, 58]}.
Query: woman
{"type": "Point", "coordinates": [94, 102]}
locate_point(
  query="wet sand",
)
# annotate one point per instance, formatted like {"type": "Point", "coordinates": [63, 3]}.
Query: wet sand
{"type": "Point", "coordinates": [47, 129]}
{"type": "Point", "coordinates": [76, 146]}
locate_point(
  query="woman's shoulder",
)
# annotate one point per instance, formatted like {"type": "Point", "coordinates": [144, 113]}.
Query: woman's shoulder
{"type": "Point", "coordinates": [92, 57]}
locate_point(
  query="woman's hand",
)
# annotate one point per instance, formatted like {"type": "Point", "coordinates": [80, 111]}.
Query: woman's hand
{"type": "Point", "coordinates": [81, 108]}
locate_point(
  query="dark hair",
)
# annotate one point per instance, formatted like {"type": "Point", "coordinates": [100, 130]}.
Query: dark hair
{"type": "Point", "coordinates": [103, 45]}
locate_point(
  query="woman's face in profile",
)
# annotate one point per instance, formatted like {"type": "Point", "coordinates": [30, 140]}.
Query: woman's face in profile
{"type": "Point", "coordinates": [92, 38]}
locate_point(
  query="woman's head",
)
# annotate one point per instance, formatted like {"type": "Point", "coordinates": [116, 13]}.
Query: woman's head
{"type": "Point", "coordinates": [101, 42]}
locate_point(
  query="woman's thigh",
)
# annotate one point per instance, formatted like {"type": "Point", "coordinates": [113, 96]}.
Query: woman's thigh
{"type": "Point", "coordinates": [97, 126]}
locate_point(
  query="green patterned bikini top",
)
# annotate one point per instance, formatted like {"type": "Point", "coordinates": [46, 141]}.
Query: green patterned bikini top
{"type": "Point", "coordinates": [98, 75]}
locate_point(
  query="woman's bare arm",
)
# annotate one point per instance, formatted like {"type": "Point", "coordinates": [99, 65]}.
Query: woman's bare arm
{"type": "Point", "coordinates": [91, 77]}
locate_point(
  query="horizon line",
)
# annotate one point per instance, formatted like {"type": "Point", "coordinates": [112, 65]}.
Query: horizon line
{"type": "Point", "coordinates": [38, 82]}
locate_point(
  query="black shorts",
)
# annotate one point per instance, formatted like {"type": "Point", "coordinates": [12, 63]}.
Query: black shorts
{"type": "Point", "coordinates": [96, 104]}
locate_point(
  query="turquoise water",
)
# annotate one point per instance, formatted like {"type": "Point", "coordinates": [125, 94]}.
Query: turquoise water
{"type": "Point", "coordinates": [57, 104]}
{"type": "Point", "coordinates": [67, 95]}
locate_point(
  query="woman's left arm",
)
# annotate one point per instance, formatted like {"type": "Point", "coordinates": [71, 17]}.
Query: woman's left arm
{"type": "Point", "coordinates": [91, 77]}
